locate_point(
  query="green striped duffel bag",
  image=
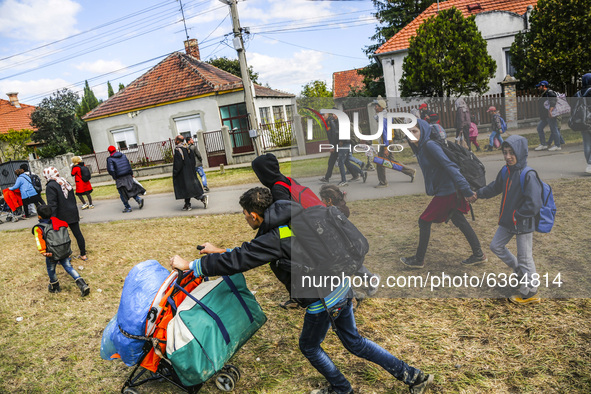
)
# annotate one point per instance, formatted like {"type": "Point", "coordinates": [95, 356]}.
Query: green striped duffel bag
{"type": "Point", "coordinates": [210, 325]}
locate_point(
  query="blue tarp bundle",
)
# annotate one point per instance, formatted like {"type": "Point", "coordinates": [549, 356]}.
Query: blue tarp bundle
{"type": "Point", "coordinates": [140, 288]}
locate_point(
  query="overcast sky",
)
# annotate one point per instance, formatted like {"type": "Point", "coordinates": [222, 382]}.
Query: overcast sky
{"type": "Point", "coordinates": [51, 44]}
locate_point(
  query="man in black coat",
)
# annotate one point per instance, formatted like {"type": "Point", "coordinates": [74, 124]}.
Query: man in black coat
{"type": "Point", "coordinates": [120, 169]}
{"type": "Point", "coordinates": [184, 178]}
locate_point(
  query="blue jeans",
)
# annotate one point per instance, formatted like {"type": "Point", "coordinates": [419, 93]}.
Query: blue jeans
{"type": "Point", "coordinates": [202, 175]}
{"type": "Point", "coordinates": [497, 135]}
{"type": "Point", "coordinates": [314, 331]}
{"type": "Point", "coordinates": [554, 133]}
{"type": "Point", "coordinates": [124, 198]}
{"type": "Point", "coordinates": [343, 161]}
{"type": "Point", "coordinates": [355, 160]}
{"type": "Point", "coordinates": [51, 265]}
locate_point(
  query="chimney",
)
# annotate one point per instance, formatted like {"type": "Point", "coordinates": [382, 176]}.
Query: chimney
{"type": "Point", "coordinates": [13, 97]}
{"type": "Point", "coordinates": [192, 48]}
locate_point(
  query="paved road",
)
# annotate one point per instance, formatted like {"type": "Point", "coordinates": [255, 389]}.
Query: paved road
{"type": "Point", "coordinates": [568, 163]}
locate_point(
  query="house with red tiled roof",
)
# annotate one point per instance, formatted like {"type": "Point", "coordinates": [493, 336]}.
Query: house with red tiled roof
{"type": "Point", "coordinates": [14, 115]}
{"type": "Point", "coordinates": [345, 81]}
{"type": "Point", "coordinates": [181, 95]}
{"type": "Point", "coordinates": [497, 20]}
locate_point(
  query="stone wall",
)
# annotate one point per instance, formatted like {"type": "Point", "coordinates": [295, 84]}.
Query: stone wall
{"type": "Point", "coordinates": [63, 163]}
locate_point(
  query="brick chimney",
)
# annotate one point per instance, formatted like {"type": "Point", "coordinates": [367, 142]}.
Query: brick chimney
{"type": "Point", "coordinates": [13, 97]}
{"type": "Point", "coordinates": [192, 48]}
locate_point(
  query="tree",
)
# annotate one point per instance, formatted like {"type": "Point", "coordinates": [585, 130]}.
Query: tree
{"type": "Point", "coordinates": [317, 95]}
{"type": "Point", "coordinates": [121, 86]}
{"type": "Point", "coordinates": [447, 57]}
{"type": "Point", "coordinates": [16, 143]}
{"type": "Point", "coordinates": [233, 67]}
{"type": "Point", "coordinates": [88, 102]}
{"type": "Point", "coordinates": [110, 91]}
{"type": "Point", "coordinates": [556, 47]}
{"type": "Point", "coordinates": [392, 16]}
{"type": "Point", "coordinates": [57, 121]}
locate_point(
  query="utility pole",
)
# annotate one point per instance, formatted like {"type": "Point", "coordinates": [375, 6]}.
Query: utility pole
{"type": "Point", "coordinates": [248, 95]}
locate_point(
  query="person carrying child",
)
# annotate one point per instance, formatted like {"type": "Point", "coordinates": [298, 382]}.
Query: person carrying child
{"type": "Point", "coordinates": [496, 129]}
{"type": "Point", "coordinates": [519, 206]}
{"type": "Point", "coordinates": [273, 244]}
{"type": "Point", "coordinates": [50, 243]}
{"type": "Point", "coordinates": [81, 177]}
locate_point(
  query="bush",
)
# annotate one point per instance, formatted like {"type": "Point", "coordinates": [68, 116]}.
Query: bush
{"type": "Point", "coordinates": [52, 149]}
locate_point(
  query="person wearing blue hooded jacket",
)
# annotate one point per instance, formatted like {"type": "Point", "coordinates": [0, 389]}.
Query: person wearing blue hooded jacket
{"type": "Point", "coordinates": [28, 192]}
{"type": "Point", "coordinates": [519, 206]}
{"type": "Point", "coordinates": [449, 189]}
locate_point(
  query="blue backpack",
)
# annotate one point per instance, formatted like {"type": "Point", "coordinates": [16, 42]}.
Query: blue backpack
{"type": "Point", "coordinates": [503, 125]}
{"type": "Point", "coordinates": [545, 218]}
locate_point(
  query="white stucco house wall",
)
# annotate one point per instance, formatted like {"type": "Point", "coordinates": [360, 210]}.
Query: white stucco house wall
{"type": "Point", "coordinates": [497, 20]}
{"type": "Point", "coordinates": [180, 95]}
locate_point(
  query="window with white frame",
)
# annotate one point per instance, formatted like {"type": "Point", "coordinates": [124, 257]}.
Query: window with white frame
{"type": "Point", "coordinates": [265, 115]}
{"type": "Point", "coordinates": [278, 113]}
{"type": "Point", "coordinates": [289, 112]}
{"type": "Point", "coordinates": [509, 69]}
{"type": "Point", "coordinates": [125, 138]}
{"type": "Point", "coordinates": [188, 125]}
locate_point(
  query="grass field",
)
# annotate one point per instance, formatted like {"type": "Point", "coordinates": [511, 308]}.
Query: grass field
{"type": "Point", "coordinates": [299, 168]}
{"type": "Point", "coordinates": [472, 345]}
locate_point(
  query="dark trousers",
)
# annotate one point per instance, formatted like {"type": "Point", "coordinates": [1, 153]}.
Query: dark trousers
{"type": "Point", "coordinates": [75, 227]}
{"type": "Point", "coordinates": [332, 159]}
{"type": "Point", "coordinates": [36, 199]}
{"type": "Point", "coordinates": [81, 197]}
{"type": "Point", "coordinates": [459, 220]}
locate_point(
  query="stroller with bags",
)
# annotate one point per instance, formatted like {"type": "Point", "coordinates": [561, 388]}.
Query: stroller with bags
{"type": "Point", "coordinates": [175, 321]}
{"type": "Point", "coordinates": [11, 206]}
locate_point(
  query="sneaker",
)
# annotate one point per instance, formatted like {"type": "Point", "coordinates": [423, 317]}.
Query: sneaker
{"type": "Point", "coordinates": [189, 207]}
{"type": "Point", "coordinates": [381, 185]}
{"type": "Point", "coordinates": [475, 259]}
{"type": "Point", "coordinates": [412, 262]}
{"type": "Point", "coordinates": [373, 290]}
{"type": "Point", "coordinates": [422, 385]}
{"type": "Point", "coordinates": [205, 188]}
{"type": "Point", "coordinates": [91, 206]}
{"type": "Point", "coordinates": [141, 203]}
{"type": "Point", "coordinates": [185, 207]}
{"type": "Point", "coordinates": [588, 169]}
{"type": "Point", "coordinates": [126, 210]}
{"type": "Point", "coordinates": [84, 206]}
{"type": "Point", "coordinates": [355, 178]}
{"type": "Point", "coordinates": [412, 176]}
{"type": "Point", "coordinates": [554, 148]}
{"type": "Point", "coordinates": [205, 200]}
{"type": "Point", "coordinates": [343, 184]}
{"type": "Point", "coordinates": [522, 300]}
{"type": "Point", "coordinates": [323, 180]}
{"type": "Point", "coordinates": [370, 168]}
{"type": "Point", "coordinates": [365, 174]}
{"type": "Point", "coordinates": [541, 147]}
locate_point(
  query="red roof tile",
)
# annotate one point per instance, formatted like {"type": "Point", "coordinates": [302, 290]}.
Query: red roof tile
{"type": "Point", "coordinates": [15, 118]}
{"type": "Point", "coordinates": [178, 77]}
{"type": "Point", "coordinates": [401, 39]}
{"type": "Point", "coordinates": [343, 81]}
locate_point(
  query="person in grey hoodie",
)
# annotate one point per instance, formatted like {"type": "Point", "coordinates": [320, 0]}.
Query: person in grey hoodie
{"type": "Point", "coordinates": [519, 206]}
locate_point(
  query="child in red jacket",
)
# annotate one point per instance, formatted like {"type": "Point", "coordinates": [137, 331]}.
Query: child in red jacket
{"type": "Point", "coordinates": [83, 188]}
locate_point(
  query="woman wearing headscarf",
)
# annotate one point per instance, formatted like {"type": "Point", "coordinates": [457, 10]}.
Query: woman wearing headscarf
{"type": "Point", "coordinates": [463, 121]}
{"type": "Point", "coordinates": [60, 197]}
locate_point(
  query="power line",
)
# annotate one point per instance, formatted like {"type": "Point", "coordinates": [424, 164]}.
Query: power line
{"type": "Point", "coordinates": [312, 49]}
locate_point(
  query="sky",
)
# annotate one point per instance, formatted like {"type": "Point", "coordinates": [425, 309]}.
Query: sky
{"type": "Point", "coordinates": [46, 45]}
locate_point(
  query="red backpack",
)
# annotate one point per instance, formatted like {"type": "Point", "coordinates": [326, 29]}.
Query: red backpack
{"type": "Point", "coordinates": [301, 194]}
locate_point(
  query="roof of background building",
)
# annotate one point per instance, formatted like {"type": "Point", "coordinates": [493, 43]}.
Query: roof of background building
{"type": "Point", "coordinates": [15, 118]}
{"type": "Point", "coordinates": [343, 81]}
{"type": "Point", "coordinates": [178, 77]}
{"type": "Point", "coordinates": [468, 8]}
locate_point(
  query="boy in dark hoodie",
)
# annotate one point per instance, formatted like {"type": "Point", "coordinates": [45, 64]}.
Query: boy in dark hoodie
{"type": "Point", "coordinates": [266, 168]}
{"type": "Point", "coordinates": [519, 206]}
{"type": "Point", "coordinates": [273, 243]}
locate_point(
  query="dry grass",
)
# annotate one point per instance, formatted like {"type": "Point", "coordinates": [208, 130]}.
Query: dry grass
{"type": "Point", "coordinates": [472, 345]}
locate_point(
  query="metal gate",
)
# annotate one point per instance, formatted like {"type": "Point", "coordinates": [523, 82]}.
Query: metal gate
{"type": "Point", "coordinates": [214, 147]}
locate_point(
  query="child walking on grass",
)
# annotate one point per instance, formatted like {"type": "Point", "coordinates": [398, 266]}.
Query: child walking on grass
{"type": "Point", "coordinates": [55, 246]}
{"type": "Point", "coordinates": [519, 206]}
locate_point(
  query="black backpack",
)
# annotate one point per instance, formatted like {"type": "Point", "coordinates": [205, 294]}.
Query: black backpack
{"type": "Point", "coordinates": [326, 243]}
{"type": "Point", "coordinates": [85, 174]}
{"type": "Point", "coordinates": [36, 182]}
{"type": "Point", "coordinates": [470, 167]}
{"type": "Point", "coordinates": [580, 118]}
{"type": "Point", "coordinates": [57, 242]}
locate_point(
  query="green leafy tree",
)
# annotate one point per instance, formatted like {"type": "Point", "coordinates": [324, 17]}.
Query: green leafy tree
{"type": "Point", "coordinates": [317, 95]}
{"type": "Point", "coordinates": [88, 102]}
{"type": "Point", "coordinates": [556, 46]}
{"type": "Point", "coordinates": [233, 67]}
{"type": "Point", "coordinates": [110, 91]}
{"type": "Point", "coordinates": [121, 87]}
{"type": "Point", "coordinates": [13, 144]}
{"type": "Point", "coordinates": [392, 16]}
{"type": "Point", "coordinates": [447, 57]}
{"type": "Point", "coordinates": [57, 121]}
